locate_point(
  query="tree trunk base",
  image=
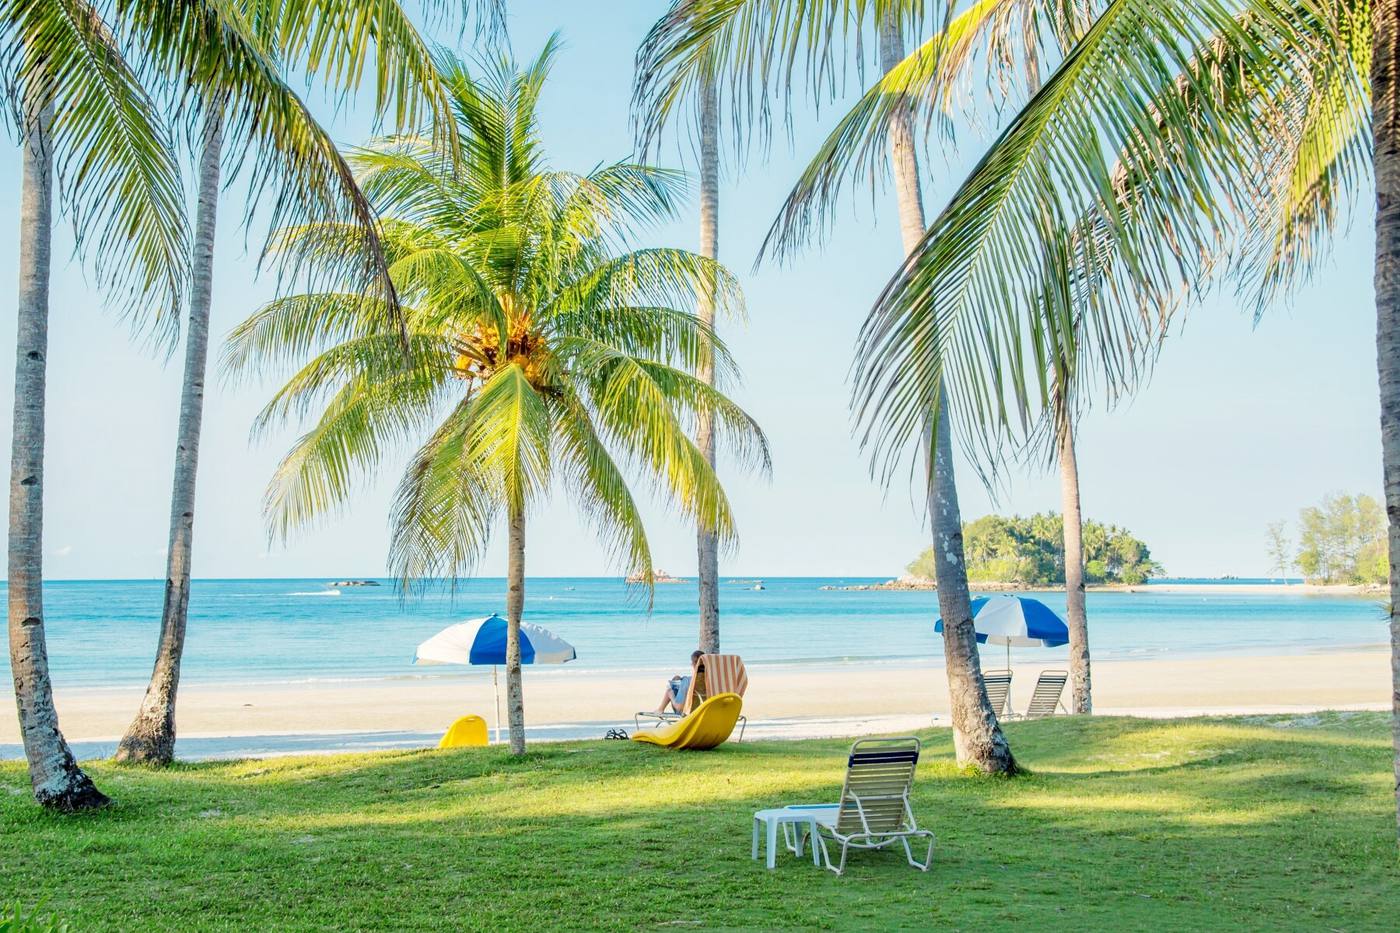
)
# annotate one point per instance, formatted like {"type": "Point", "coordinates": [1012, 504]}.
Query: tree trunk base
{"type": "Point", "coordinates": [154, 747]}
{"type": "Point", "coordinates": [987, 758]}
{"type": "Point", "coordinates": [79, 795]}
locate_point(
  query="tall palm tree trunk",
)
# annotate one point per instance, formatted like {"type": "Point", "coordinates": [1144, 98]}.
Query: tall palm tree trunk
{"type": "Point", "coordinates": [515, 607]}
{"type": "Point", "coordinates": [707, 543]}
{"type": "Point", "coordinates": [977, 737]}
{"type": "Point", "coordinates": [1385, 115]}
{"type": "Point", "coordinates": [1080, 689]}
{"type": "Point", "coordinates": [1072, 523]}
{"type": "Point", "coordinates": [150, 739]}
{"type": "Point", "coordinates": [57, 780]}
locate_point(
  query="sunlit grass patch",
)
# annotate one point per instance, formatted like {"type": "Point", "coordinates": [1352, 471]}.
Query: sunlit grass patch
{"type": "Point", "coordinates": [1203, 823]}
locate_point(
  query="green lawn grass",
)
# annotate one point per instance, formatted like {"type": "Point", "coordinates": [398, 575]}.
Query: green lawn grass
{"type": "Point", "coordinates": [1261, 823]}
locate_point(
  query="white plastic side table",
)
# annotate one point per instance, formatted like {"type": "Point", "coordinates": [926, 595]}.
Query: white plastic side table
{"type": "Point", "coordinates": [770, 820]}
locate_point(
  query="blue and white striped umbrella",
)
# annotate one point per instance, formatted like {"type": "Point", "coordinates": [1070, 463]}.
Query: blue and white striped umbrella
{"type": "Point", "coordinates": [1016, 620]}
{"type": "Point", "coordinates": [483, 641]}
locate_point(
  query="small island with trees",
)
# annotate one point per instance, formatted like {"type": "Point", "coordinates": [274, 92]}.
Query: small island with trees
{"type": "Point", "coordinates": [1027, 552]}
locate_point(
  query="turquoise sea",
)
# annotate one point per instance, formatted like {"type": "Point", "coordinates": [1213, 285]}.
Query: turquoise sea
{"type": "Point", "coordinates": [103, 633]}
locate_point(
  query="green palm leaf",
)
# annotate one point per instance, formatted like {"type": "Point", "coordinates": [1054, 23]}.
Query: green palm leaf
{"type": "Point", "coordinates": [965, 312]}
{"type": "Point", "coordinates": [117, 175]}
{"type": "Point", "coordinates": [543, 354]}
{"type": "Point", "coordinates": [757, 51]}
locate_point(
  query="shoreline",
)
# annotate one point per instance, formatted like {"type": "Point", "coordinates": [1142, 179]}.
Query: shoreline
{"type": "Point", "coordinates": [237, 720]}
{"type": "Point", "coordinates": [1377, 590]}
{"type": "Point", "coordinates": [456, 674]}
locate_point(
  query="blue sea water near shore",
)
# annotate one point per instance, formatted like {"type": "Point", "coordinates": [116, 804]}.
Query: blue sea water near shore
{"type": "Point", "coordinates": [103, 633]}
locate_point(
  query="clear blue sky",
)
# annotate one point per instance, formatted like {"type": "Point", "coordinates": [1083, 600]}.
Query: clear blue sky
{"type": "Point", "coordinates": [1240, 426]}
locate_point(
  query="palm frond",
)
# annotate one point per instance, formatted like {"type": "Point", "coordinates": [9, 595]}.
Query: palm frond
{"type": "Point", "coordinates": [112, 151]}
{"type": "Point", "coordinates": [956, 317]}
{"type": "Point", "coordinates": [363, 421]}
{"type": "Point", "coordinates": [558, 351]}
{"type": "Point", "coordinates": [338, 40]}
{"type": "Point", "coordinates": [286, 329]}
{"type": "Point", "coordinates": [601, 491]}
{"type": "Point", "coordinates": [366, 362]}
{"type": "Point", "coordinates": [925, 84]}
{"type": "Point", "coordinates": [639, 407]}
{"type": "Point", "coordinates": [1317, 154]}
{"type": "Point", "coordinates": [445, 506]}
{"type": "Point", "coordinates": [509, 432]}
{"type": "Point", "coordinates": [604, 303]}
{"type": "Point", "coordinates": [757, 52]}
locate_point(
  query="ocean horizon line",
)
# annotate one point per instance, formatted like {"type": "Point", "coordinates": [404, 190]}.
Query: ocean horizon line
{"type": "Point", "coordinates": [736, 576]}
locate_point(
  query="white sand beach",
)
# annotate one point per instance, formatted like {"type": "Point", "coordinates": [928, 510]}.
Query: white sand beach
{"type": "Point", "coordinates": [782, 701]}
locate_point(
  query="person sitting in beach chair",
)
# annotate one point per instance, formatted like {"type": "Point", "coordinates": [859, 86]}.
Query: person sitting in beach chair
{"type": "Point", "coordinates": [712, 675]}
{"type": "Point", "coordinates": [682, 696]}
{"type": "Point", "coordinates": [673, 700]}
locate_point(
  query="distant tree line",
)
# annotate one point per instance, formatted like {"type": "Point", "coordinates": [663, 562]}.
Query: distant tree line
{"type": "Point", "coordinates": [1030, 550]}
{"type": "Point", "coordinates": [1340, 540]}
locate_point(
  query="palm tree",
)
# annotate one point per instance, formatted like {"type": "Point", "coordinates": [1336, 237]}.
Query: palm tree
{"type": "Point", "coordinates": [86, 116]}
{"type": "Point", "coordinates": [1385, 118]}
{"type": "Point", "coordinates": [754, 42]}
{"type": "Point", "coordinates": [706, 113]}
{"type": "Point", "coordinates": [977, 737]}
{"type": "Point", "coordinates": [57, 780]}
{"type": "Point", "coordinates": [1081, 683]}
{"type": "Point", "coordinates": [706, 542]}
{"type": "Point", "coordinates": [1240, 128]}
{"type": "Point", "coordinates": [1063, 421]}
{"type": "Point", "coordinates": [81, 109]}
{"type": "Point", "coordinates": [537, 351]}
{"type": "Point", "coordinates": [1006, 33]}
{"type": "Point", "coordinates": [150, 739]}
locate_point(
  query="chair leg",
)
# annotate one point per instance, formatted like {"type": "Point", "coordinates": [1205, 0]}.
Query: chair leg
{"type": "Point", "coordinates": [819, 849]}
{"type": "Point", "coordinates": [743, 724]}
{"type": "Point", "coordinates": [909, 852]}
{"type": "Point", "coordinates": [772, 861]}
{"type": "Point", "coordinates": [754, 852]}
{"type": "Point", "coordinates": [840, 869]}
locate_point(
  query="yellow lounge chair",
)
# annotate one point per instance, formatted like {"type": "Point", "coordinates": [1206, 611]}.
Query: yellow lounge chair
{"type": "Point", "coordinates": [465, 732]}
{"type": "Point", "coordinates": [723, 673]}
{"type": "Point", "coordinates": [710, 724]}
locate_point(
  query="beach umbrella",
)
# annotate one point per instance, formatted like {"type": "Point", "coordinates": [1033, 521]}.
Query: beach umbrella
{"type": "Point", "coordinates": [1016, 620]}
{"type": "Point", "coordinates": [483, 641]}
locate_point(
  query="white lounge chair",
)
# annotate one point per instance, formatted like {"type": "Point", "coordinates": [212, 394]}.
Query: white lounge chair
{"type": "Point", "coordinates": [999, 691]}
{"type": "Point", "coordinates": [874, 811]}
{"type": "Point", "coordinates": [1049, 690]}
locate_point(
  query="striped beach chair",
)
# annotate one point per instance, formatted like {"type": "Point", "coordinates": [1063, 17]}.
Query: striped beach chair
{"type": "Point", "coordinates": [723, 673]}
{"type": "Point", "coordinates": [999, 691]}
{"type": "Point", "coordinates": [1049, 690]}
{"type": "Point", "coordinates": [874, 811]}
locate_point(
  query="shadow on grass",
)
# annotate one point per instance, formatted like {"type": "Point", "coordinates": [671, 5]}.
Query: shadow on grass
{"type": "Point", "coordinates": [1236, 824]}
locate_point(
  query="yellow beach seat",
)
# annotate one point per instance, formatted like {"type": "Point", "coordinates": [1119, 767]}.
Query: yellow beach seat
{"type": "Point", "coordinates": [464, 733]}
{"type": "Point", "coordinates": [709, 725]}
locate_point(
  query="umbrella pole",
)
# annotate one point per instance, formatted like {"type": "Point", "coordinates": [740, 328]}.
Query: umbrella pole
{"type": "Point", "coordinates": [1008, 655]}
{"type": "Point", "coordinates": [496, 684]}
